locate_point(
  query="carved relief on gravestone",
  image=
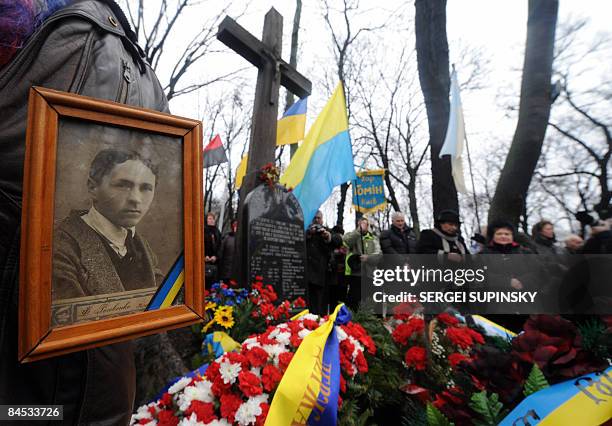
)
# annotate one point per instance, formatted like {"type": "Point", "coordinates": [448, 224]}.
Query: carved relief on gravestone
{"type": "Point", "coordinates": [275, 246]}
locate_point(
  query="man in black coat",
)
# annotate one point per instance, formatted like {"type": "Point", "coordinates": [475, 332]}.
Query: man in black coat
{"type": "Point", "coordinates": [444, 239]}
{"type": "Point", "coordinates": [320, 243]}
{"type": "Point", "coordinates": [400, 238]}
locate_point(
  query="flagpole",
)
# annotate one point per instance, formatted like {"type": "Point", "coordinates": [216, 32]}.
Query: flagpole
{"type": "Point", "coordinates": [467, 148]}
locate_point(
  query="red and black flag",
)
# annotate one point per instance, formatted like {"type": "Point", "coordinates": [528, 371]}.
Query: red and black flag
{"type": "Point", "coordinates": [214, 153]}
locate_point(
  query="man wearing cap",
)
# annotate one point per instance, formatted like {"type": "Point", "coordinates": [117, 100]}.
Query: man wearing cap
{"type": "Point", "coordinates": [444, 239]}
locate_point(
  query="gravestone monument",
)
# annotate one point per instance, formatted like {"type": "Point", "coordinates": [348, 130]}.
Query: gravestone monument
{"type": "Point", "coordinates": [274, 232]}
{"type": "Point", "coordinates": [273, 72]}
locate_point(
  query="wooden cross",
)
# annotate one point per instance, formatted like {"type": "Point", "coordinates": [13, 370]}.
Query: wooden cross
{"type": "Point", "coordinates": [273, 72]}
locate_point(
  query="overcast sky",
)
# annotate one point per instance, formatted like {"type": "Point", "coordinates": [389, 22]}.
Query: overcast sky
{"type": "Point", "coordinates": [496, 27]}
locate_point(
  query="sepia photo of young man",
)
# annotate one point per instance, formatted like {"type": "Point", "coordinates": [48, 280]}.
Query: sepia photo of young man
{"type": "Point", "coordinates": [99, 251]}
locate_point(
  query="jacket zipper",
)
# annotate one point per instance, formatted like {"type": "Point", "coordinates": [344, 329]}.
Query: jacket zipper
{"type": "Point", "coordinates": [126, 79]}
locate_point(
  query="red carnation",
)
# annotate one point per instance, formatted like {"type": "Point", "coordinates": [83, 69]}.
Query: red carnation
{"type": "Point", "coordinates": [299, 303]}
{"type": "Point", "coordinates": [342, 384]}
{"type": "Point", "coordinates": [310, 324]}
{"type": "Point", "coordinates": [204, 411]}
{"type": "Point", "coordinates": [212, 372]}
{"type": "Point", "coordinates": [237, 358]}
{"type": "Point", "coordinates": [261, 419]}
{"type": "Point", "coordinates": [230, 402]}
{"type": "Point", "coordinates": [167, 418]}
{"type": "Point", "coordinates": [284, 359]}
{"type": "Point", "coordinates": [347, 348]}
{"type": "Point", "coordinates": [402, 334]}
{"type": "Point", "coordinates": [416, 357]}
{"type": "Point", "coordinates": [456, 358]}
{"type": "Point", "coordinates": [257, 356]}
{"type": "Point", "coordinates": [460, 336]}
{"type": "Point", "coordinates": [249, 384]}
{"type": "Point", "coordinates": [270, 377]}
{"type": "Point", "coordinates": [476, 336]}
{"type": "Point", "coordinates": [362, 364]}
{"type": "Point", "coordinates": [219, 387]}
{"type": "Point", "coordinates": [166, 399]}
{"type": "Point", "coordinates": [345, 365]}
{"type": "Point", "coordinates": [295, 340]}
{"type": "Point", "coordinates": [448, 319]}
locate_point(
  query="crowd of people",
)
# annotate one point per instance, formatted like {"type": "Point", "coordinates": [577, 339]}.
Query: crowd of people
{"type": "Point", "coordinates": [335, 260]}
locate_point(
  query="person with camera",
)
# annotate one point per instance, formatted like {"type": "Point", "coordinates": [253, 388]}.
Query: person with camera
{"type": "Point", "coordinates": [320, 243]}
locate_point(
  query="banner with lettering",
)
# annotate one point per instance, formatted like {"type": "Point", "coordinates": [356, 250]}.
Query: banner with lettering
{"type": "Point", "coordinates": [584, 401]}
{"type": "Point", "coordinates": [308, 392]}
{"type": "Point", "coordinates": [369, 191]}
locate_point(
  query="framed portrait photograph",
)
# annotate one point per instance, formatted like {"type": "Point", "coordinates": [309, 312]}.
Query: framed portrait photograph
{"type": "Point", "coordinates": [111, 240]}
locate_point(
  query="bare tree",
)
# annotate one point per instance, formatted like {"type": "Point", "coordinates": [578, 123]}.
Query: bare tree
{"type": "Point", "coordinates": [573, 173]}
{"type": "Point", "coordinates": [344, 38]}
{"type": "Point", "coordinates": [534, 111]}
{"type": "Point", "coordinates": [154, 37]}
{"type": "Point", "coordinates": [389, 118]}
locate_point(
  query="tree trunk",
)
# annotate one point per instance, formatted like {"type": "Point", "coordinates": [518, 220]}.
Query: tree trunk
{"type": "Point", "coordinates": [432, 59]}
{"type": "Point", "coordinates": [412, 203]}
{"type": "Point", "coordinates": [340, 211]}
{"type": "Point", "coordinates": [534, 111]}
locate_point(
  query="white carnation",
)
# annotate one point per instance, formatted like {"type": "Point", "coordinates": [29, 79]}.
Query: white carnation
{"type": "Point", "coordinates": [341, 334]}
{"type": "Point", "coordinates": [248, 411]}
{"type": "Point", "coordinates": [180, 385]}
{"type": "Point", "coordinates": [310, 317]}
{"type": "Point", "coordinates": [358, 347]}
{"type": "Point", "coordinates": [191, 421]}
{"type": "Point", "coordinates": [221, 422]}
{"type": "Point", "coordinates": [303, 333]}
{"type": "Point", "coordinates": [142, 412]}
{"type": "Point", "coordinates": [283, 338]}
{"type": "Point", "coordinates": [256, 371]}
{"type": "Point", "coordinates": [229, 371]}
{"type": "Point", "coordinates": [201, 391]}
{"type": "Point", "coordinates": [250, 342]}
{"type": "Point", "coordinates": [274, 350]}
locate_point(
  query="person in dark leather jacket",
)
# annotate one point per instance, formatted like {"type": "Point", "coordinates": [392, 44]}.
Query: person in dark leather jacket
{"type": "Point", "coordinates": [86, 48]}
{"type": "Point", "coordinates": [399, 238]}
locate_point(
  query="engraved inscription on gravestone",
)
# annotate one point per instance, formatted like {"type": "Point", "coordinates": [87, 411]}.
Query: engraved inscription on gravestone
{"type": "Point", "coordinates": [275, 248]}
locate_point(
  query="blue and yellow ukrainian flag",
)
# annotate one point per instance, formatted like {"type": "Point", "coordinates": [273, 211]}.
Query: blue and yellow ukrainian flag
{"type": "Point", "coordinates": [324, 160]}
{"type": "Point", "coordinates": [308, 392]}
{"type": "Point", "coordinates": [584, 400]}
{"type": "Point", "coordinates": [290, 128]}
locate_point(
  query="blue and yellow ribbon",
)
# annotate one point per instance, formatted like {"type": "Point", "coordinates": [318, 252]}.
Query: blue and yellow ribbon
{"type": "Point", "coordinates": [169, 289]}
{"type": "Point", "coordinates": [308, 392]}
{"type": "Point", "coordinates": [584, 401]}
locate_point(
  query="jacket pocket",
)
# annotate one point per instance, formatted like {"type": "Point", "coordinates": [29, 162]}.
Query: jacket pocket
{"type": "Point", "coordinates": [126, 80]}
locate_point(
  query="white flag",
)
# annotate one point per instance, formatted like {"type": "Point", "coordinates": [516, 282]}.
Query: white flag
{"type": "Point", "coordinates": [455, 135]}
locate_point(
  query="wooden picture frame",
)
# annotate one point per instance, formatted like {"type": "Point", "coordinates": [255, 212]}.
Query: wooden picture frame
{"type": "Point", "coordinates": [38, 339]}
